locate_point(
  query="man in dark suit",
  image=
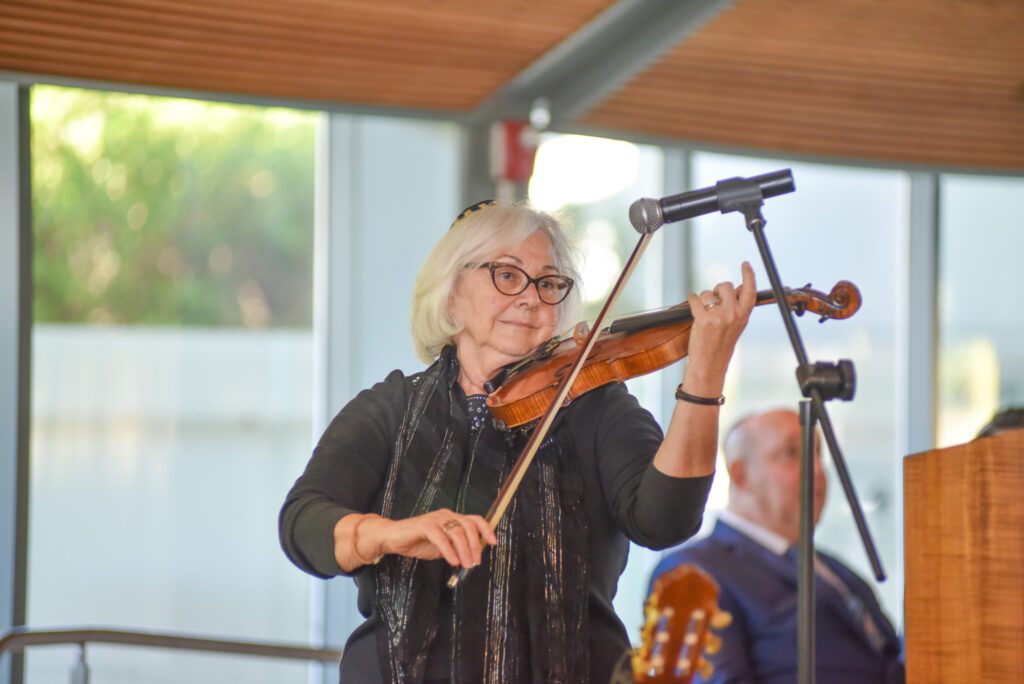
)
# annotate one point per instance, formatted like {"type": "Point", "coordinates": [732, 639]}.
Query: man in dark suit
{"type": "Point", "coordinates": [752, 556]}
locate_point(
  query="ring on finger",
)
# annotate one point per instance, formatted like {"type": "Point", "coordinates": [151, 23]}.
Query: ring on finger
{"type": "Point", "coordinates": [449, 525]}
{"type": "Point", "coordinates": [714, 301]}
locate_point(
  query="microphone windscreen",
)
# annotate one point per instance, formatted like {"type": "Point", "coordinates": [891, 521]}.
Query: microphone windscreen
{"type": "Point", "coordinates": [645, 215]}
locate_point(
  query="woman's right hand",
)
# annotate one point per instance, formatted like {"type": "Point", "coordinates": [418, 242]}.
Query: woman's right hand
{"type": "Point", "coordinates": [443, 533]}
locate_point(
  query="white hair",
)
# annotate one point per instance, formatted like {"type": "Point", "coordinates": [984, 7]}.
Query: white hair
{"type": "Point", "coordinates": [476, 234]}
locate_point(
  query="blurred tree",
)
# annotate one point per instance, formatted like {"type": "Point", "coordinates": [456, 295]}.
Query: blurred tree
{"type": "Point", "coordinates": [162, 211]}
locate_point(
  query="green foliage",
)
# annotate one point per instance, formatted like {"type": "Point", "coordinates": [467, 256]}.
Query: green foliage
{"type": "Point", "coordinates": [161, 211]}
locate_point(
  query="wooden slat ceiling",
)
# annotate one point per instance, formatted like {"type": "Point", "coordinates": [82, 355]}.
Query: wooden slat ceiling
{"type": "Point", "coordinates": [936, 82]}
{"type": "Point", "coordinates": [929, 81]}
{"type": "Point", "coordinates": [424, 54]}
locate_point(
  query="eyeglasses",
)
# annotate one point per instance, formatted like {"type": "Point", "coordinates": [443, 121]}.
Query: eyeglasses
{"type": "Point", "coordinates": [512, 280]}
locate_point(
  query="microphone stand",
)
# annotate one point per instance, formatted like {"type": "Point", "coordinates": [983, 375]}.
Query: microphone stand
{"type": "Point", "coordinates": [819, 382]}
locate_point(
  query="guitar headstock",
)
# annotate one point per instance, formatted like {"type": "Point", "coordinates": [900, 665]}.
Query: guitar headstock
{"type": "Point", "coordinates": [678, 618]}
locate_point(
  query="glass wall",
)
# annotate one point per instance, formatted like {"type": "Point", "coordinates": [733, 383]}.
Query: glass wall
{"type": "Point", "coordinates": [981, 252]}
{"type": "Point", "coordinates": [173, 362]}
{"type": "Point", "coordinates": [840, 224]}
{"type": "Point", "coordinates": [171, 378]}
{"type": "Point", "coordinates": [591, 182]}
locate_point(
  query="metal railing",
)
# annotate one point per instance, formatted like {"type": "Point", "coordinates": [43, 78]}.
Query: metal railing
{"type": "Point", "coordinates": [20, 638]}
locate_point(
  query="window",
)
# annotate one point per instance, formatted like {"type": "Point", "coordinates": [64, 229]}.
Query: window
{"type": "Point", "coordinates": [840, 224]}
{"type": "Point", "coordinates": [172, 376]}
{"type": "Point", "coordinates": [981, 361]}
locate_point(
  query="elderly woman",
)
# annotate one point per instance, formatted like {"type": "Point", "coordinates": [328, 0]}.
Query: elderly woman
{"type": "Point", "coordinates": [394, 492]}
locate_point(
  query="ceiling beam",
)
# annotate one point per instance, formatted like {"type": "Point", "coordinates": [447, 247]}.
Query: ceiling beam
{"type": "Point", "coordinates": [594, 61]}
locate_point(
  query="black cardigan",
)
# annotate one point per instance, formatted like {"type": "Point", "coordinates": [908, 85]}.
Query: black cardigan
{"type": "Point", "coordinates": [625, 498]}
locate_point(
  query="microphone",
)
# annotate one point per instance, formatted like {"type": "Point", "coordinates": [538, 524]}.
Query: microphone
{"type": "Point", "coordinates": [648, 215]}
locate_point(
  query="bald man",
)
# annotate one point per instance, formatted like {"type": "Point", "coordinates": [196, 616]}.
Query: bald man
{"type": "Point", "coordinates": [751, 554]}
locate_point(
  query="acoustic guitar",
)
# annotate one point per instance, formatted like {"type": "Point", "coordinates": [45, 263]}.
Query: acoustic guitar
{"type": "Point", "coordinates": [678, 618]}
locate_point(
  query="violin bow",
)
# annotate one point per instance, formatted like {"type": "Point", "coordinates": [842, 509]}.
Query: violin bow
{"type": "Point", "coordinates": [515, 476]}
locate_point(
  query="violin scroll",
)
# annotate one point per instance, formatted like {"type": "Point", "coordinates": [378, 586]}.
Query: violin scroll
{"type": "Point", "coordinates": [842, 302]}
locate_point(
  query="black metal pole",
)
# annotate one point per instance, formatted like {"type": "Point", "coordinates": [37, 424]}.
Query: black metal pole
{"type": "Point", "coordinates": [755, 223]}
{"type": "Point", "coordinates": [805, 576]}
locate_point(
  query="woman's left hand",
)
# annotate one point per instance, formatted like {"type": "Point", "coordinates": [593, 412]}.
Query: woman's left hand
{"type": "Point", "coordinates": [719, 316]}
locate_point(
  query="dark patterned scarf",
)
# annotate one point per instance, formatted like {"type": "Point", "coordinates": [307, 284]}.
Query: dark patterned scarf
{"type": "Point", "coordinates": [521, 616]}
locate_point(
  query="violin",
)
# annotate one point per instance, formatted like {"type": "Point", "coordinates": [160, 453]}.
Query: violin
{"type": "Point", "coordinates": [631, 346]}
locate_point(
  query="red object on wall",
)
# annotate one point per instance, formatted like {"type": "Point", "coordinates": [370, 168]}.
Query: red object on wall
{"type": "Point", "coordinates": [513, 150]}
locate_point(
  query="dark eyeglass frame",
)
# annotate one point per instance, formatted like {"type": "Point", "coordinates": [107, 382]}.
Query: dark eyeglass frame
{"type": "Point", "coordinates": [568, 282]}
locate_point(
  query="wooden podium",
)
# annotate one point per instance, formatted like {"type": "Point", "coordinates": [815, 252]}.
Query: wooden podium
{"type": "Point", "coordinates": [964, 544]}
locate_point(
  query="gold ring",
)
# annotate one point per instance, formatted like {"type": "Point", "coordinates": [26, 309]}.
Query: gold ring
{"type": "Point", "coordinates": [449, 525]}
{"type": "Point", "coordinates": [714, 301]}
